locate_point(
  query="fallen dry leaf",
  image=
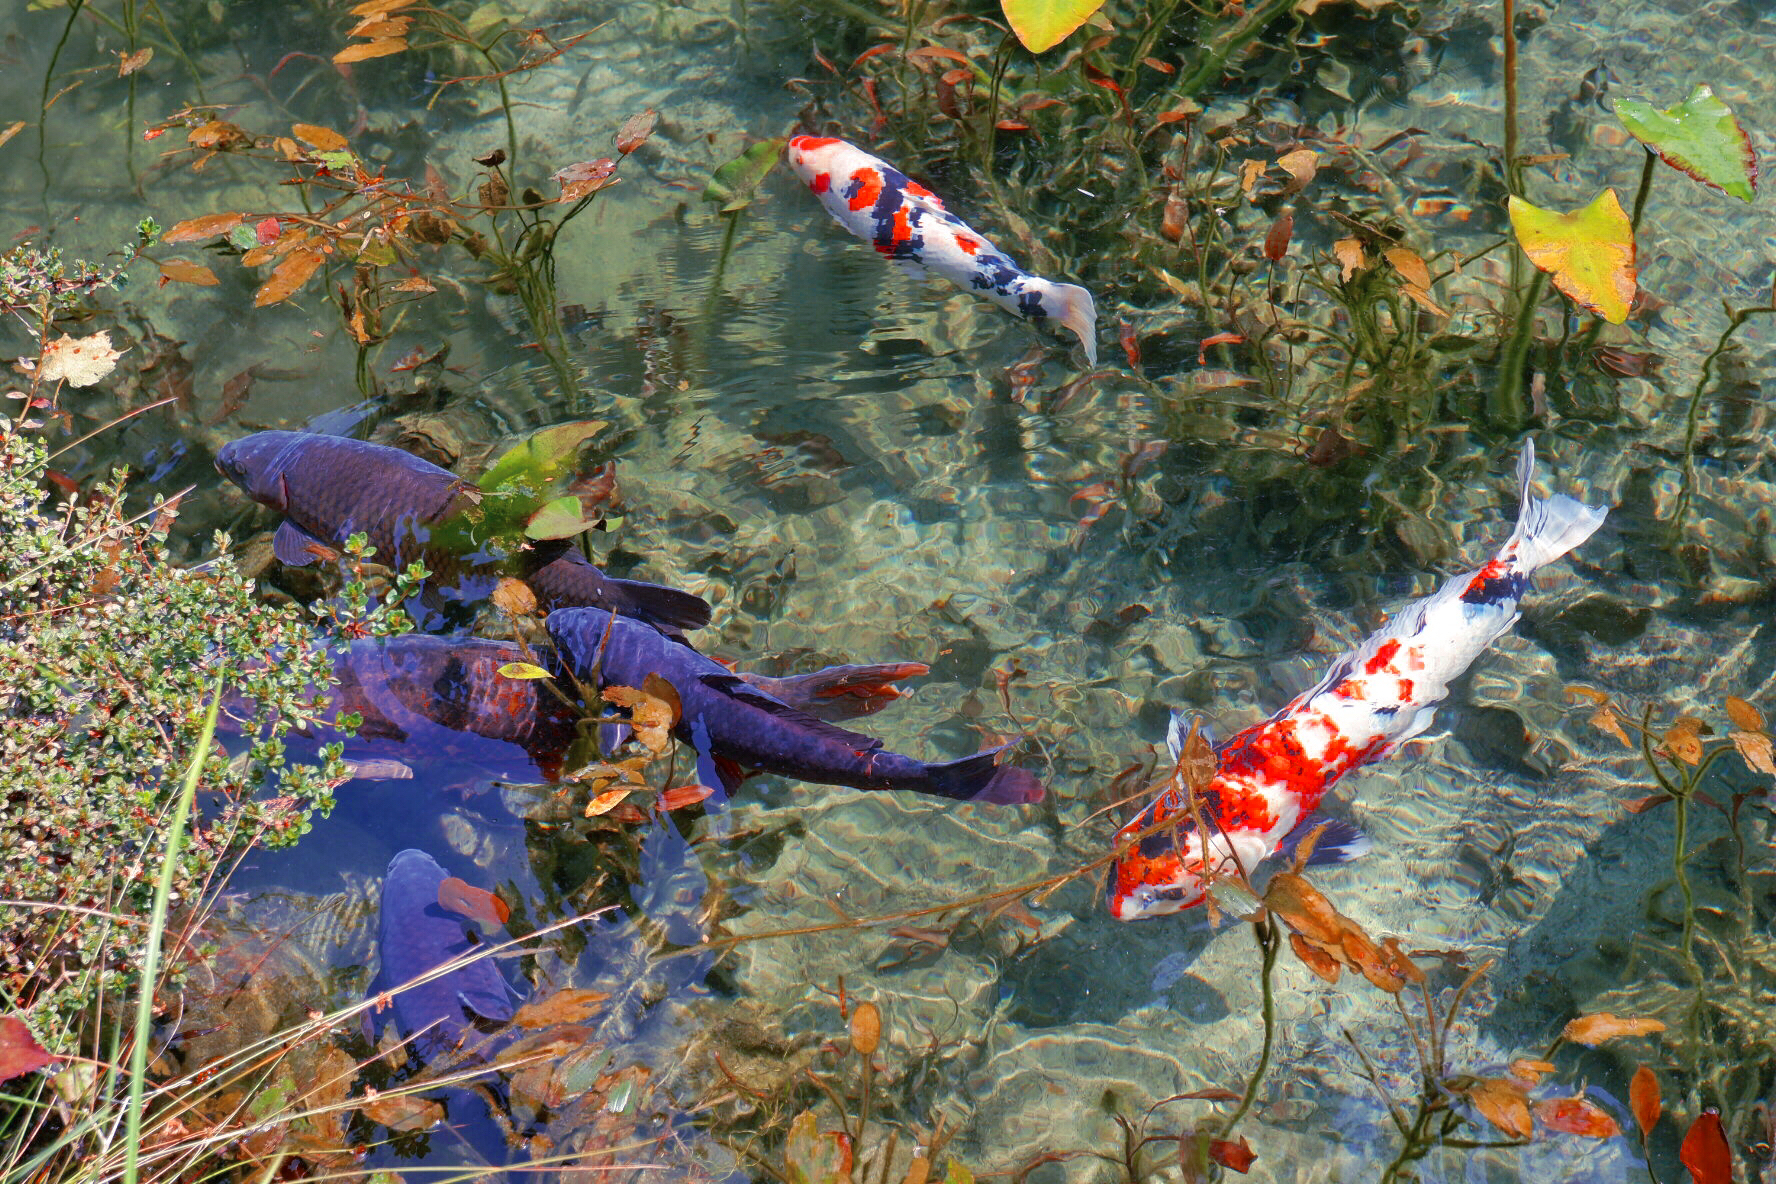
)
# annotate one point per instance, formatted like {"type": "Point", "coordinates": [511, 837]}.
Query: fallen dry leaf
{"type": "Point", "coordinates": [1503, 1103]}
{"type": "Point", "coordinates": [78, 361]}
{"type": "Point", "coordinates": [1643, 1099]}
{"type": "Point", "coordinates": [1592, 1030]}
{"type": "Point", "coordinates": [1577, 1116]}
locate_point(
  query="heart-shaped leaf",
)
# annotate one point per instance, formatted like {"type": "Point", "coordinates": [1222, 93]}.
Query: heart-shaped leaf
{"type": "Point", "coordinates": [543, 457]}
{"type": "Point", "coordinates": [562, 518]}
{"type": "Point", "coordinates": [1700, 136]}
{"type": "Point", "coordinates": [1043, 24]}
{"type": "Point", "coordinates": [1589, 252]}
{"type": "Point", "coordinates": [732, 183]}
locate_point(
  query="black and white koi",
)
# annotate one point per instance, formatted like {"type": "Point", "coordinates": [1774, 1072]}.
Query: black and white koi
{"type": "Point", "coordinates": [908, 223]}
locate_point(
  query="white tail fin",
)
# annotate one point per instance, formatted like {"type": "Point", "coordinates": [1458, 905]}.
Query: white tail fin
{"type": "Point", "coordinates": [1547, 528]}
{"type": "Point", "coordinates": [1079, 312]}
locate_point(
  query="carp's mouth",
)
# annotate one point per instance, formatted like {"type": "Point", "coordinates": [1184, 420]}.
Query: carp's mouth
{"type": "Point", "coordinates": [1148, 900]}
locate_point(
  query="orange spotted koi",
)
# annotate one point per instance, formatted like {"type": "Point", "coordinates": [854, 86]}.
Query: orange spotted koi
{"type": "Point", "coordinates": [908, 223]}
{"type": "Point", "coordinates": [1376, 697]}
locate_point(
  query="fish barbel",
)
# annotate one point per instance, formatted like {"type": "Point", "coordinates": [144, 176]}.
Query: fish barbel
{"type": "Point", "coordinates": [1374, 698]}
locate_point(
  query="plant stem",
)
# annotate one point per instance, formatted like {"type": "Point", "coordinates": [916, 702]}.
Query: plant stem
{"type": "Point", "coordinates": [1693, 420]}
{"type": "Point", "coordinates": [1217, 51]}
{"type": "Point", "coordinates": [1270, 943]}
{"type": "Point", "coordinates": [163, 891]}
{"type": "Point", "coordinates": [1507, 408]}
{"type": "Point", "coordinates": [1513, 178]}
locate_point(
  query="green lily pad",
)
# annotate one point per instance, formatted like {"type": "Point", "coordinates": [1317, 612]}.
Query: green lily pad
{"type": "Point", "coordinates": [542, 459]}
{"type": "Point", "coordinates": [562, 518]}
{"type": "Point", "coordinates": [732, 184]}
{"type": "Point", "coordinates": [1043, 24]}
{"type": "Point", "coordinates": [1700, 136]}
{"type": "Point", "coordinates": [1589, 252]}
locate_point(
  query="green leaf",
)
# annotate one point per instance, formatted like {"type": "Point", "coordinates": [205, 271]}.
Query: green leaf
{"type": "Point", "coordinates": [1700, 136]}
{"type": "Point", "coordinates": [522, 670]}
{"type": "Point", "coordinates": [1589, 252]}
{"type": "Point", "coordinates": [958, 1174]}
{"type": "Point", "coordinates": [560, 519]}
{"type": "Point", "coordinates": [1043, 24]}
{"type": "Point", "coordinates": [732, 184]}
{"type": "Point", "coordinates": [544, 458]}
{"type": "Point", "coordinates": [814, 1156]}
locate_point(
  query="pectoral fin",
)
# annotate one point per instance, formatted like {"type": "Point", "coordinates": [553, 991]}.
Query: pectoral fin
{"type": "Point", "coordinates": [296, 547]}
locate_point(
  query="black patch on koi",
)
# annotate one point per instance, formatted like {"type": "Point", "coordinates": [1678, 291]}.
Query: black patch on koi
{"type": "Point", "coordinates": [1497, 589]}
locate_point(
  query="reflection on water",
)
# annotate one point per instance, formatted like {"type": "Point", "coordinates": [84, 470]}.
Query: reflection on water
{"type": "Point", "coordinates": [851, 466]}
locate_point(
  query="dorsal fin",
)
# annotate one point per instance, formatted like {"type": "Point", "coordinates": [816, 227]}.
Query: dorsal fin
{"type": "Point", "coordinates": [738, 688]}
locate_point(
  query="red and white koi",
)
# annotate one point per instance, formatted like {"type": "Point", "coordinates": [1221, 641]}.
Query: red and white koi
{"type": "Point", "coordinates": [908, 223]}
{"type": "Point", "coordinates": [1374, 698]}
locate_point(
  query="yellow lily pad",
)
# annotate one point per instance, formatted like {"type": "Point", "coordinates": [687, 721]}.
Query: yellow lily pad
{"type": "Point", "coordinates": [1589, 252]}
{"type": "Point", "coordinates": [1044, 24]}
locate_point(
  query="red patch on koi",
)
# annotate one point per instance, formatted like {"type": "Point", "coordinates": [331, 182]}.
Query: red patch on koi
{"type": "Point", "coordinates": [900, 231]}
{"type": "Point", "coordinates": [1405, 689]}
{"type": "Point", "coordinates": [1384, 657]}
{"type": "Point", "coordinates": [812, 143]}
{"type": "Point", "coordinates": [1492, 571]}
{"type": "Point", "coordinates": [821, 182]}
{"type": "Point", "coordinates": [918, 190]}
{"type": "Point", "coordinates": [968, 245]}
{"type": "Point", "coordinates": [868, 183]}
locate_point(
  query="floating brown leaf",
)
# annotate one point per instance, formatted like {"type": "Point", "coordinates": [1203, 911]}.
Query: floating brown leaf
{"type": "Point", "coordinates": [1411, 267]}
{"type": "Point", "coordinates": [324, 138]}
{"type": "Point", "coordinates": [1349, 253]}
{"type": "Point", "coordinates": [1604, 720]}
{"type": "Point", "coordinates": [1683, 742]}
{"type": "Point", "coordinates": [650, 716]}
{"type": "Point", "coordinates": [1237, 1156]}
{"type": "Point", "coordinates": [1705, 1151]}
{"type": "Point", "coordinates": [1592, 1030]}
{"type": "Point", "coordinates": [217, 135]}
{"type": "Point", "coordinates": [568, 1006]}
{"type": "Point", "coordinates": [1744, 715]}
{"type": "Point", "coordinates": [1755, 750]}
{"type": "Point", "coordinates": [1503, 1103]}
{"type": "Point", "coordinates": [1315, 958]}
{"type": "Point", "coordinates": [19, 1051]}
{"type": "Point", "coordinates": [607, 801]}
{"type": "Point", "coordinates": [185, 272]}
{"type": "Point", "coordinates": [382, 47]}
{"type": "Point", "coordinates": [588, 176]}
{"type": "Point", "coordinates": [289, 276]}
{"type": "Point", "coordinates": [514, 597]}
{"type": "Point", "coordinates": [1577, 1116]}
{"type": "Point", "coordinates": [477, 904]}
{"type": "Point", "coordinates": [1249, 174]}
{"type": "Point", "coordinates": [866, 1028]}
{"type": "Point", "coordinates": [1301, 165]}
{"type": "Point", "coordinates": [635, 131]}
{"type": "Point", "coordinates": [680, 796]}
{"type": "Point", "coordinates": [1532, 1071]}
{"type": "Point", "coordinates": [208, 226]}
{"type": "Point", "coordinates": [1643, 1099]}
{"type": "Point", "coordinates": [401, 1112]}
{"type": "Point", "coordinates": [129, 63]}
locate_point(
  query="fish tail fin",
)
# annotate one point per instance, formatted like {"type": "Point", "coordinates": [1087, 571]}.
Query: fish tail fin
{"type": "Point", "coordinates": [658, 604]}
{"type": "Point", "coordinates": [1547, 528]}
{"type": "Point", "coordinates": [979, 778]}
{"type": "Point", "coordinates": [1079, 312]}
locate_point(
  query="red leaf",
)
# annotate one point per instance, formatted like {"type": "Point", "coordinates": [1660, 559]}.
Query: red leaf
{"type": "Point", "coordinates": [1705, 1151]}
{"type": "Point", "coordinates": [19, 1051]}
{"type": "Point", "coordinates": [1577, 1116]}
{"type": "Point", "coordinates": [1238, 1156]}
{"type": "Point", "coordinates": [1131, 344]}
{"type": "Point", "coordinates": [635, 131]}
{"type": "Point", "coordinates": [477, 904]}
{"type": "Point", "coordinates": [1643, 1099]}
{"type": "Point", "coordinates": [1202, 348]}
{"type": "Point", "coordinates": [1276, 243]}
{"type": "Point", "coordinates": [1642, 805]}
{"type": "Point", "coordinates": [678, 797]}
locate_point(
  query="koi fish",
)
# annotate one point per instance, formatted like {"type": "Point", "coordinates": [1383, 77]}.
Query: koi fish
{"type": "Point", "coordinates": [329, 488]}
{"type": "Point", "coordinates": [908, 223]}
{"type": "Point", "coordinates": [447, 695]}
{"type": "Point", "coordinates": [735, 726]}
{"type": "Point", "coordinates": [1374, 698]}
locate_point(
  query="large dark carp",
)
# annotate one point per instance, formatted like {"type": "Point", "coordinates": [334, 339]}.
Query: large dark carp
{"type": "Point", "coordinates": [329, 488]}
{"type": "Point", "coordinates": [732, 721]}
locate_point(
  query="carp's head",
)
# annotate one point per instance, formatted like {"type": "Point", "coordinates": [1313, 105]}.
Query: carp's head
{"type": "Point", "coordinates": [1157, 874]}
{"type": "Point", "coordinates": [255, 463]}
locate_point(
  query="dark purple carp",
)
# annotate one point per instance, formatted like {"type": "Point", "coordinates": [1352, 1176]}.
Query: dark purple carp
{"type": "Point", "coordinates": [417, 934]}
{"type": "Point", "coordinates": [329, 488]}
{"type": "Point", "coordinates": [729, 720]}
{"type": "Point", "coordinates": [445, 697]}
